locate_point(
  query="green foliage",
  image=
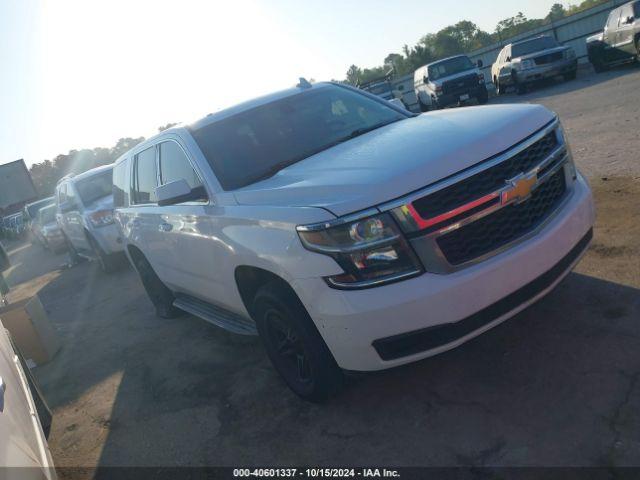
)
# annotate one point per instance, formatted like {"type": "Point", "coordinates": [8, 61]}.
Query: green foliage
{"type": "Point", "coordinates": [463, 37]}
{"type": "Point", "coordinates": [46, 174]}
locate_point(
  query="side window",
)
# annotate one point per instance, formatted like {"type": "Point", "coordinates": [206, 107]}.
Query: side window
{"type": "Point", "coordinates": [626, 11]}
{"type": "Point", "coordinates": [174, 165]}
{"type": "Point", "coordinates": [71, 196]}
{"type": "Point", "coordinates": [636, 10]}
{"type": "Point", "coordinates": [612, 22]}
{"type": "Point", "coordinates": [119, 188]}
{"type": "Point", "coordinates": [145, 177]}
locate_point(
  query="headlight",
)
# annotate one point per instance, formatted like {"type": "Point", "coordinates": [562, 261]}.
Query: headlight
{"type": "Point", "coordinates": [562, 138]}
{"type": "Point", "coordinates": [370, 250]}
{"type": "Point", "coordinates": [101, 218]}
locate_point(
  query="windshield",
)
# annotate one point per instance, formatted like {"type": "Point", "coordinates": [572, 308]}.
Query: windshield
{"type": "Point", "coordinates": [95, 187]}
{"type": "Point", "coordinates": [450, 67]}
{"type": "Point", "coordinates": [531, 46]}
{"type": "Point", "coordinates": [33, 209]}
{"type": "Point", "coordinates": [256, 144]}
{"type": "Point", "coordinates": [47, 215]}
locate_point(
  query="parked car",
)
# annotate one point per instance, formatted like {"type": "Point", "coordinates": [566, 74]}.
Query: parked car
{"type": "Point", "coordinates": [451, 81]}
{"type": "Point", "coordinates": [350, 234]}
{"type": "Point", "coordinates": [4, 227]}
{"type": "Point", "coordinates": [85, 215]}
{"type": "Point", "coordinates": [30, 214]}
{"type": "Point", "coordinates": [15, 227]}
{"type": "Point", "coordinates": [522, 63]}
{"type": "Point", "coordinates": [49, 232]}
{"type": "Point", "coordinates": [25, 419]}
{"type": "Point", "coordinates": [620, 40]}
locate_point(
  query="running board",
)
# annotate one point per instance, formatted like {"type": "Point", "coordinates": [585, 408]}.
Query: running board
{"type": "Point", "coordinates": [216, 315]}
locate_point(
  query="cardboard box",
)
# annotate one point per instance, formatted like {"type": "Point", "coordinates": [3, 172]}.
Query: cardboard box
{"type": "Point", "coordinates": [31, 329]}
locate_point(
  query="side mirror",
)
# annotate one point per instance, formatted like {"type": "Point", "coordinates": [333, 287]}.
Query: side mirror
{"type": "Point", "coordinates": [480, 63]}
{"type": "Point", "coordinates": [66, 207]}
{"type": "Point", "coordinates": [425, 79]}
{"type": "Point", "coordinates": [178, 191]}
{"type": "Point", "coordinates": [508, 59]}
{"type": "Point", "coordinates": [630, 19]}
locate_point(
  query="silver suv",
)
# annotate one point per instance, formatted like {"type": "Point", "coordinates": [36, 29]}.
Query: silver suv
{"type": "Point", "coordinates": [85, 213]}
{"type": "Point", "coordinates": [522, 63]}
{"type": "Point", "coordinates": [348, 233]}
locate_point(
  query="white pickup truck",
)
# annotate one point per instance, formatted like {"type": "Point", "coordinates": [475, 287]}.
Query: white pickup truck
{"type": "Point", "coordinates": [351, 234]}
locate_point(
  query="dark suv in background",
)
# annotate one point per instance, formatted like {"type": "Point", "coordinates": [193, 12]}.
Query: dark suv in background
{"type": "Point", "coordinates": [620, 40]}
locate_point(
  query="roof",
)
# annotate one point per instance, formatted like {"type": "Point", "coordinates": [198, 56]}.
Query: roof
{"type": "Point", "coordinates": [88, 173]}
{"type": "Point", "coordinates": [256, 102]}
{"type": "Point", "coordinates": [531, 39]}
{"type": "Point", "coordinates": [448, 58]}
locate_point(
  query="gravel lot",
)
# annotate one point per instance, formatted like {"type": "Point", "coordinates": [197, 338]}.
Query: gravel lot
{"type": "Point", "coordinates": [556, 385]}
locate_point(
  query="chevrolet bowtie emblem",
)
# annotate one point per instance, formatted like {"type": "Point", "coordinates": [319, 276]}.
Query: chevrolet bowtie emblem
{"type": "Point", "coordinates": [519, 188]}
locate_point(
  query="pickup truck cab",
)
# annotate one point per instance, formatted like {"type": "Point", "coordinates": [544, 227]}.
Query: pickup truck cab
{"type": "Point", "coordinates": [85, 214]}
{"type": "Point", "coordinates": [451, 81]}
{"type": "Point", "coordinates": [620, 40]}
{"type": "Point", "coordinates": [350, 234]}
{"type": "Point", "coordinates": [522, 63]}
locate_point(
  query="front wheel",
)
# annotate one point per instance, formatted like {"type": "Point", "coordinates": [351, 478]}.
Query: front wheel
{"type": "Point", "coordinates": [107, 263]}
{"type": "Point", "coordinates": [295, 348]}
{"type": "Point", "coordinates": [483, 98]}
{"type": "Point", "coordinates": [159, 294]}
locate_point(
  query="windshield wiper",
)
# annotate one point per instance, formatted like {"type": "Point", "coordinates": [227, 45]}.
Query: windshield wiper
{"type": "Point", "coordinates": [361, 131]}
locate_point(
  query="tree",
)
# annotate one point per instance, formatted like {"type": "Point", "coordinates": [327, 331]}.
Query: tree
{"type": "Point", "coordinates": [167, 126]}
{"type": "Point", "coordinates": [353, 75]}
{"type": "Point", "coordinates": [556, 13]}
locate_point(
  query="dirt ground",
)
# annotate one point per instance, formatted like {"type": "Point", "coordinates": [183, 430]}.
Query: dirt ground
{"type": "Point", "coordinates": [556, 385]}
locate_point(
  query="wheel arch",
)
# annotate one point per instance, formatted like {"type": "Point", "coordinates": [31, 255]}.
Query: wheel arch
{"type": "Point", "coordinates": [249, 279]}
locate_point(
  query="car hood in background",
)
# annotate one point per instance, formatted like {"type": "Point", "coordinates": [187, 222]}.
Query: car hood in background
{"type": "Point", "coordinates": [455, 76]}
{"type": "Point", "coordinates": [397, 159]}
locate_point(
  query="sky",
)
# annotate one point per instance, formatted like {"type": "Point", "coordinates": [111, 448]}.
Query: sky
{"type": "Point", "coordinates": [82, 74]}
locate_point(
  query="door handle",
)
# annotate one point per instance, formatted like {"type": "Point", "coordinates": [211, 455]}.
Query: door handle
{"type": "Point", "coordinates": [165, 227]}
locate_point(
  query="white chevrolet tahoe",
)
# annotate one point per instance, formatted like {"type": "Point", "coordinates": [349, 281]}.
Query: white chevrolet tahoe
{"type": "Point", "coordinates": [351, 234]}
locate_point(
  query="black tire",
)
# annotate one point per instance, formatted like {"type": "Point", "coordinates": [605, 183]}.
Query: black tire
{"type": "Point", "coordinates": [500, 89]}
{"type": "Point", "coordinates": [570, 76]}
{"type": "Point", "coordinates": [106, 262]}
{"type": "Point", "coordinates": [296, 349]}
{"type": "Point", "coordinates": [159, 294]}
{"type": "Point", "coordinates": [600, 67]}
{"type": "Point", "coordinates": [423, 107]}
{"type": "Point", "coordinates": [71, 250]}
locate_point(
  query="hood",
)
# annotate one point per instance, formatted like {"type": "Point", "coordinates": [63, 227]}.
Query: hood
{"type": "Point", "coordinates": [561, 48]}
{"type": "Point", "coordinates": [104, 203]}
{"type": "Point", "coordinates": [397, 159]}
{"type": "Point", "coordinates": [598, 37]}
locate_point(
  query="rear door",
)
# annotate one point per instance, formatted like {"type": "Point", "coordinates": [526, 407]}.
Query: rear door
{"type": "Point", "coordinates": [143, 223]}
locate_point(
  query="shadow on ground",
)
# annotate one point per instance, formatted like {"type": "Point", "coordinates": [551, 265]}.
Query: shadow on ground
{"type": "Point", "coordinates": [556, 385]}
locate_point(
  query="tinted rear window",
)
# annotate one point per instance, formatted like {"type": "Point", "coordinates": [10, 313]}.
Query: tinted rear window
{"type": "Point", "coordinates": [532, 46]}
{"type": "Point", "coordinates": [255, 144]}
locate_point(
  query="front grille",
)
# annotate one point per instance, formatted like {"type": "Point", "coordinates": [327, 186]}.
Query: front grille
{"type": "Point", "coordinates": [459, 85]}
{"type": "Point", "coordinates": [503, 226]}
{"type": "Point", "coordinates": [487, 181]}
{"type": "Point", "coordinates": [549, 58]}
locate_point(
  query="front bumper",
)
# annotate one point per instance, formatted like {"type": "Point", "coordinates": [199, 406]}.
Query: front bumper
{"type": "Point", "coordinates": [108, 238]}
{"type": "Point", "coordinates": [547, 71]}
{"type": "Point", "coordinates": [352, 322]}
{"type": "Point", "coordinates": [455, 98]}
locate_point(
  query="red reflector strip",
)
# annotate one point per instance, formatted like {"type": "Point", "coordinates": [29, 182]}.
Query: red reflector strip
{"type": "Point", "coordinates": [423, 223]}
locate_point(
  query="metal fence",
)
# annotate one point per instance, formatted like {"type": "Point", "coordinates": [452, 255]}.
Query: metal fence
{"type": "Point", "coordinates": [572, 31]}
